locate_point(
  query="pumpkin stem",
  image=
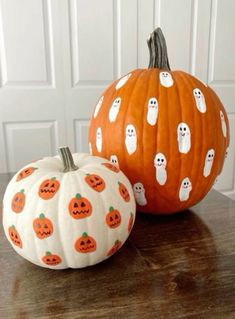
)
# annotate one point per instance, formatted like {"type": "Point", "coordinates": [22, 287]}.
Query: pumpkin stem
{"type": "Point", "coordinates": [67, 159]}
{"type": "Point", "coordinates": [158, 50]}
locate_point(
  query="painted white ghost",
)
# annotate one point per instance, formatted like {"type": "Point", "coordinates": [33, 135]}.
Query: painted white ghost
{"type": "Point", "coordinates": [223, 124]}
{"type": "Point", "coordinates": [123, 81]}
{"type": "Point", "coordinates": [99, 139]}
{"type": "Point", "coordinates": [152, 111]}
{"type": "Point", "coordinates": [114, 160]}
{"type": "Point", "coordinates": [160, 165]}
{"type": "Point", "coordinates": [131, 139]}
{"type": "Point", "coordinates": [185, 189]}
{"type": "Point", "coordinates": [114, 109]}
{"type": "Point", "coordinates": [208, 162]}
{"type": "Point", "coordinates": [139, 193]}
{"type": "Point", "coordinates": [98, 106]}
{"type": "Point", "coordinates": [166, 79]}
{"type": "Point", "coordinates": [200, 100]}
{"type": "Point", "coordinates": [183, 138]}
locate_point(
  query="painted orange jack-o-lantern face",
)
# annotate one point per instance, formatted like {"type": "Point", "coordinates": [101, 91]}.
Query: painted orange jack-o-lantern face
{"type": "Point", "coordinates": [15, 237]}
{"type": "Point", "coordinates": [18, 202]}
{"type": "Point", "coordinates": [25, 173]}
{"type": "Point", "coordinates": [112, 167]}
{"type": "Point", "coordinates": [124, 192]}
{"type": "Point", "coordinates": [85, 244]}
{"type": "Point", "coordinates": [113, 218]}
{"type": "Point", "coordinates": [95, 182]}
{"type": "Point", "coordinates": [130, 222]}
{"type": "Point", "coordinates": [43, 227]}
{"type": "Point", "coordinates": [80, 207]}
{"type": "Point", "coordinates": [48, 188]}
{"type": "Point", "coordinates": [51, 259]}
{"type": "Point", "coordinates": [115, 248]}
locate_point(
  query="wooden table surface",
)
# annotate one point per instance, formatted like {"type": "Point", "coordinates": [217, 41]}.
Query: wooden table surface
{"type": "Point", "coordinates": [181, 266]}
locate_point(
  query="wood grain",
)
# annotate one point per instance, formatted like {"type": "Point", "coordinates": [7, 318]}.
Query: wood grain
{"type": "Point", "coordinates": [179, 266]}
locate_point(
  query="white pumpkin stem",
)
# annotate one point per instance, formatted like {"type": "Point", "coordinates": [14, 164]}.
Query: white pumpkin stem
{"type": "Point", "coordinates": [158, 50]}
{"type": "Point", "coordinates": [67, 159]}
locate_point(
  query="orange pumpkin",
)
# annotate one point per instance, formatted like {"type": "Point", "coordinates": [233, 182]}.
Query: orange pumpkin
{"type": "Point", "coordinates": [48, 188]}
{"type": "Point", "coordinates": [51, 259]}
{"type": "Point", "coordinates": [95, 182]}
{"type": "Point", "coordinates": [80, 207]}
{"type": "Point", "coordinates": [117, 245]}
{"type": "Point", "coordinates": [112, 167]}
{"type": "Point", "coordinates": [85, 244]}
{"type": "Point", "coordinates": [18, 202]}
{"type": "Point", "coordinates": [43, 227]}
{"type": "Point", "coordinates": [25, 173]}
{"type": "Point", "coordinates": [124, 192]}
{"type": "Point", "coordinates": [168, 131]}
{"type": "Point", "coordinates": [113, 218]}
{"type": "Point", "coordinates": [14, 236]}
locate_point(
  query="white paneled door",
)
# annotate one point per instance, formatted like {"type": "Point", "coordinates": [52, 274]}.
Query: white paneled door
{"type": "Point", "coordinates": [57, 56]}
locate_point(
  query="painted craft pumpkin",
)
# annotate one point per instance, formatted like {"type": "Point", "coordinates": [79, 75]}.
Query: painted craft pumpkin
{"type": "Point", "coordinates": [62, 213]}
{"type": "Point", "coordinates": [167, 131]}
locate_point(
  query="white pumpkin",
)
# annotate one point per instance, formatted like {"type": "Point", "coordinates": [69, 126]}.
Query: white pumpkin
{"type": "Point", "coordinates": [68, 211]}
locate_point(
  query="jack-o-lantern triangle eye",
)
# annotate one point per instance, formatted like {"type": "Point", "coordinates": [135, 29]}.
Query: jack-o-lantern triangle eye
{"type": "Point", "coordinates": [75, 205]}
{"type": "Point", "coordinates": [88, 241]}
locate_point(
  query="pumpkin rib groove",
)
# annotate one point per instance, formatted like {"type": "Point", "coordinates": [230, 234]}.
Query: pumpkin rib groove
{"type": "Point", "coordinates": [189, 85]}
{"type": "Point", "coordinates": [126, 115]}
{"type": "Point", "coordinates": [203, 146]}
{"type": "Point", "coordinates": [180, 154]}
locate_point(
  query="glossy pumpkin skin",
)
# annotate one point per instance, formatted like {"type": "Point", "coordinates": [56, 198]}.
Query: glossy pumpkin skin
{"type": "Point", "coordinates": [176, 104]}
{"type": "Point", "coordinates": [66, 228]}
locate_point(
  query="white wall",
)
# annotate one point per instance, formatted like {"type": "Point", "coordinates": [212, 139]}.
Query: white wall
{"type": "Point", "coordinates": [57, 56]}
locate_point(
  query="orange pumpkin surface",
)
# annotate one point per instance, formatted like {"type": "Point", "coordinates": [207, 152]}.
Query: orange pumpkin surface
{"type": "Point", "coordinates": [167, 130]}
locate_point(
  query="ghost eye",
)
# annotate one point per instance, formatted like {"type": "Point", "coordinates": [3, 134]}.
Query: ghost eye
{"type": "Point", "coordinates": [162, 160]}
{"type": "Point", "coordinates": [132, 131]}
{"type": "Point", "coordinates": [184, 128]}
{"type": "Point", "coordinates": [185, 183]}
{"type": "Point", "coordinates": [180, 128]}
{"type": "Point", "coordinates": [158, 159]}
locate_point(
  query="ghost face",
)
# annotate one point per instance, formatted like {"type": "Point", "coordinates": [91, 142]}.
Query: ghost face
{"type": "Point", "coordinates": [160, 161]}
{"type": "Point", "coordinates": [160, 165]}
{"type": "Point", "coordinates": [200, 100]}
{"type": "Point", "coordinates": [139, 193]}
{"type": "Point", "coordinates": [223, 124]}
{"type": "Point", "coordinates": [131, 139]}
{"type": "Point", "coordinates": [99, 139]}
{"type": "Point", "coordinates": [152, 111]}
{"type": "Point", "coordinates": [114, 109]}
{"type": "Point", "coordinates": [98, 106]}
{"type": "Point", "coordinates": [114, 160]}
{"type": "Point", "coordinates": [183, 138]}
{"type": "Point", "coordinates": [123, 81]}
{"type": "Point", "coordinates": [208, 162]}
{"type": "Point", "coordinates": [185, 189]}
{"type": "Point", "coordinates": [166, 79]}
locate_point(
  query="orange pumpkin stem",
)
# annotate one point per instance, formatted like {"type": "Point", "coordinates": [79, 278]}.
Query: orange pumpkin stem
{"type": "Point", "coordinates": [67, 159]}
{"type": "Point", "coordinates": [158, 50]}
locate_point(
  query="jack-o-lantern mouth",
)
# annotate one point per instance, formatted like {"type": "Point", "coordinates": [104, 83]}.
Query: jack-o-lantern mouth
{"type": "Point", "coordinates": [46, 190]}
{"type": "Point", "coordinates": [44, 233]}
{"type": "Point", "coordinates": [52, 263]}
{"type": "Point", "coordinates": [81, 212]}
{"type": "Point", "coordinates": [15, 241]}
{"type": "Point", "coordinates": [97, 184]}
{"type": "Point", "coordinates": [86, 248]}
{"type": "Point", "coordinates": [113, 224]}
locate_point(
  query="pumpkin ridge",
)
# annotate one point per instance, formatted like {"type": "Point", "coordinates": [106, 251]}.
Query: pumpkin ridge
{"type": "Point", "coordinates": [191, 84]}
